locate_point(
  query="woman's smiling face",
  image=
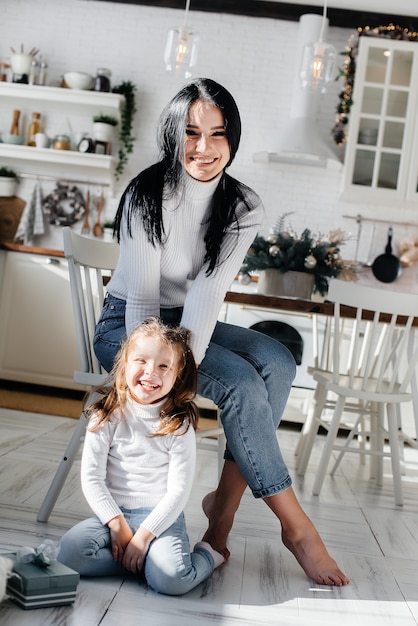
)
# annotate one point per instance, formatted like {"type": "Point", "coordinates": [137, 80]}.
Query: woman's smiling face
{"type": "Point", "coordinates": [206, 147]}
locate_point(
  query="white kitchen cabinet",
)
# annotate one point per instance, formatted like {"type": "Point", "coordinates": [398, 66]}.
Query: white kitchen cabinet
{"type": "Point", "coordinates": [62, 108]}
{"type": "Point", "coordinates": [381, 163]}
{"type": "Point", "coordinates": [37, 335]}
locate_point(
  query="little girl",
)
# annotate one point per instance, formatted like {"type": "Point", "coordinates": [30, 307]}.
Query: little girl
{"type": "Point", "coordinates": [138, 466]}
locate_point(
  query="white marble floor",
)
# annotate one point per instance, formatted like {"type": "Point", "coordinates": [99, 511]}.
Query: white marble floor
{"type": "Point", "coordinates": [375, 542]}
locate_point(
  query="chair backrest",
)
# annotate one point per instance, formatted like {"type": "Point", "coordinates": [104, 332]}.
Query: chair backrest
{"type": "Point", "coordinates": [379, 344]}
{"type": "Point", "coordinates": [90, 263]}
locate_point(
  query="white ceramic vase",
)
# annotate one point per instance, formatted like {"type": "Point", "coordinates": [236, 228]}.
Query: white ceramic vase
{"type": "Point", "coordinates": [272, 282]}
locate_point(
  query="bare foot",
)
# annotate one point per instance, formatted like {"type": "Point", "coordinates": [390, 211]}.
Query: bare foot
{"type": "Point", "coordinates": [311, 554]}
{"type": "Point", "coordinates": [219, 525]}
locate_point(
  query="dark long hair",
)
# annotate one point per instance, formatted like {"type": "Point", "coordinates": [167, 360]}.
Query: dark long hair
{"type": "Point", "coordinates": [146, 193]}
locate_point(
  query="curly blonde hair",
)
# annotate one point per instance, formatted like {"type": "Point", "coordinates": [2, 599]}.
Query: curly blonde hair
{"type": "Point", "coordinates": [179, 409]}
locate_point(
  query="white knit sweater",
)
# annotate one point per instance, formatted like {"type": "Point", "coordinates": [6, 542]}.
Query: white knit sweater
{"type": "Point", "coordinates": [122, 466]}
{"type": "Point", "coordinates": [173, 275]}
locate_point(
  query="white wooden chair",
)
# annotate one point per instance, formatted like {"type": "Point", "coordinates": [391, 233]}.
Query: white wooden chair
{"type": "Point", "coordinates": [91, 263]}
{"type": "Point", "coordinates": [371, 378]}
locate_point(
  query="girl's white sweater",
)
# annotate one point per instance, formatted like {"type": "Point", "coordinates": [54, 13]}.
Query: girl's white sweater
{"type": "Point", "coordinates": [123, 466]}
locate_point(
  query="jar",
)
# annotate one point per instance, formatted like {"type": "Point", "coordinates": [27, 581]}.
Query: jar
{"type": "Point", "coordinates": [102, 80]}
{"type": "Point", "coordinates": [34, 72]}
{"type": "Point", "coordinates": [34, 128]}
{"type": "Point", "coordinates": [62, 142]}
{"type": "Point", "coordinates": [43, 69]}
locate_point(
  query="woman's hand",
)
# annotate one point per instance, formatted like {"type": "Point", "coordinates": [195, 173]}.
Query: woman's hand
{"type": "Point", "coordinates": [120, 536]}
{"type": "Point", "coordinates": [136, 550]}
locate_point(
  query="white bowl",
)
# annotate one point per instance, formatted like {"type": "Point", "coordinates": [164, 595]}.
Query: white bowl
{"type": "Point", "coordinates": [78, 80]}
{"type": "Point", "coordinates": [17, 139]}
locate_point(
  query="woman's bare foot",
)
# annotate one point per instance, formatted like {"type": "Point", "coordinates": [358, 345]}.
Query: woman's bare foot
{"type": "Point", "coordinates": [221, 505]}
{"type": "Point", "coordinates": [312, 555]}
{"type": "Point", "coordinates": [300, 536]}
{"type": "Point", "coordinates": [219, 525]}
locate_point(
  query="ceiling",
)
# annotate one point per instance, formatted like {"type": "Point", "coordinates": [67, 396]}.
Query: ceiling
{"type": "Point", "coordinates": [343, 13]}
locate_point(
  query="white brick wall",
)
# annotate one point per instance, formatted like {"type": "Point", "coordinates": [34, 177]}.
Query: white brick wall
{"type": "Point", "coordinates": [254, 58]}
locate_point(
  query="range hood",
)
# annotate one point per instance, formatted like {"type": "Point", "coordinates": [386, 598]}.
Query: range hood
{"type": "Point", "coordinates": [301, 142]}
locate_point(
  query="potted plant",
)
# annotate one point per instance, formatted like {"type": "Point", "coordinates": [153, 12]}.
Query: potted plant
{"type": "Point", "coordinates": [8, 182]}
{"type": "Point", "coordinates": [108, 226]}
{"type": "Point", "coordinates": [126, 89]}
{"type": "Point", "coordinates": [314, 259]}
{"type": "Point", "coordinates": [103, 126]}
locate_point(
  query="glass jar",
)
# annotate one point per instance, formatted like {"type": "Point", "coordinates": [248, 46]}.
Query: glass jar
{"type": "Point", "coordinates": [102, 80]}
{"type": "Point", "coordinates": [61, 142]}
{"type": "Point", "coordinates": [34, 128]}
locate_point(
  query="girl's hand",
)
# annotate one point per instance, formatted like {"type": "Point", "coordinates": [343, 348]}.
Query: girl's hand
{"type": "Point", "coordinates": [120, 536]}
{"type": "Point", "coordinates": [136, 550]}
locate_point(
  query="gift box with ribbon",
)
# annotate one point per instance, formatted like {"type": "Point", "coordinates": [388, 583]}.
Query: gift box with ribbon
{"type": "Point", "coordinates": [38, 581]}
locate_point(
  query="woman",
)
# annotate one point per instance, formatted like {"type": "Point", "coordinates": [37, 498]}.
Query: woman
{"type": "Point", "coordinates": [138, 466]}
{"type": "Point", "coordinates": [184, 226]}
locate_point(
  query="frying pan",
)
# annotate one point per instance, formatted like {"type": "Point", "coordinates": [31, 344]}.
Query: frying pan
{"type": "Point", "coordinates": [387, 267]}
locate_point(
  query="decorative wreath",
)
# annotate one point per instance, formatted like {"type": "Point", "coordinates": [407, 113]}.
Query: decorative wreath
{"type": "Point", "coordinates": [64, 205]}
{"type": "Point", "coordinates": [347, 72]}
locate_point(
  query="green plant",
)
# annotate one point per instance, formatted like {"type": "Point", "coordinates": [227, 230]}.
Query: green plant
{"type": "Point", "coordinates": [284, 250]}
{"type": "Point", "coordinates": [6, 172]}
{"type": "Point", "coordinates": [105, 119]}
{"type": "Point", "coordinates": [126, 89]}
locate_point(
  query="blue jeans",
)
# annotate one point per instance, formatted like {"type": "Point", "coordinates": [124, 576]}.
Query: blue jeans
{"type": "Point", "coordinates": [248, 375]}
{"type": "Point", "coordinates": [169, 566]}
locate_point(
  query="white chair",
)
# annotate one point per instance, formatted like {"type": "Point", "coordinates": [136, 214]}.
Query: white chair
{"type": "Point", "coordinates": [370, 377]}
{"type": "Point", "coordinates": [91, 263]}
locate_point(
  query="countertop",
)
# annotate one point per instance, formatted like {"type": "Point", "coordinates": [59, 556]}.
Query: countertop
{"type": "Point", "coordinates": [18, 247]}
{"type": "Point", "coordinates": [407, 282]}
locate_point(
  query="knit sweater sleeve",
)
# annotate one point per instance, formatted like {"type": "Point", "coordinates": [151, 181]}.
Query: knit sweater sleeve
{"type": "Point", "coordinates": [94, 470]}
{"type": "Point", "coordinates": [206, 295]}
{"type": "Point", "coordinates": [139, 271]}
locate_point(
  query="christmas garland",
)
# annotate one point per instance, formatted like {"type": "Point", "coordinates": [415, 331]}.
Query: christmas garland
{"type": "Point", "coordinates": [347, 72]}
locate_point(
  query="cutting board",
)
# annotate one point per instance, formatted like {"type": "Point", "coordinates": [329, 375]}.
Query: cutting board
{"type": "Point", "coordinates": [11, 210]}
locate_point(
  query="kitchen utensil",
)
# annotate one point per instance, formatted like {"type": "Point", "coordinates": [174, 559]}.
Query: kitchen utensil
{"type": "Point", "coordinates": [21, 63]}
{"type": "Point", "coordinates": [86, 224]}
{"type": "Point", "coordinates": [14, 129]}
{"type": "Point", "coordinates": [98, 228]}
{"type": "Point", "coordinates": [387, 267]}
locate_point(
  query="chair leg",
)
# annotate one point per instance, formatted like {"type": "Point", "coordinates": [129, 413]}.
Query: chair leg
{"type": "Point", "coordinates": [357, 428]}
{"type": "Point", "coordinates": [329, 443]}
{"type": "Point", "coordinates": [394, 453]}
{"type": "Point", "coordinates": [312, 425]}
{"type": "Point", "coordinates": [307, 423]}
{"type": "Point", "coordinates": [62, 471]}
{"type": "Point", "coordinates": [379, 443]}
{"type": "Point", "coordinates": [400, 438]}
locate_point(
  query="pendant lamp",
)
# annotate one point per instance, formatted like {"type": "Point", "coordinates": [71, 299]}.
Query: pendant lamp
{"type": "Point", "coordinates": [181, 48]}
{"type": "Point", "coordinates": [318, 61]}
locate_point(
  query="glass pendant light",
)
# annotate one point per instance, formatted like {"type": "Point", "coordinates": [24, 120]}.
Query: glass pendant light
{"type": "Point", "coordinates": [181, 48]}
{"type": "Point", "coordinates": [318, 61]}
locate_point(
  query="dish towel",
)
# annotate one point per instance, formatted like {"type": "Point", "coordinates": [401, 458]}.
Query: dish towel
{"type": "Point", "coordinates": [32, 221]}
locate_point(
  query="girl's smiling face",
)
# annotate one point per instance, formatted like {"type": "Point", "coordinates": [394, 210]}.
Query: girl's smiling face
{"type": "Point", "coordinates": [206, 147]}
{"type": "Point", "coordinates": [151, 370]}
